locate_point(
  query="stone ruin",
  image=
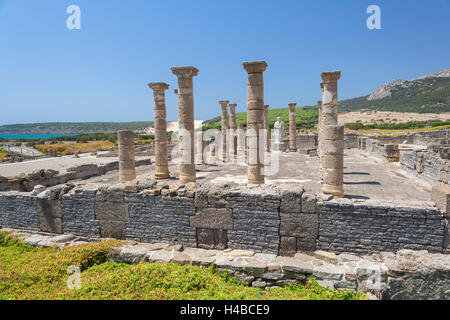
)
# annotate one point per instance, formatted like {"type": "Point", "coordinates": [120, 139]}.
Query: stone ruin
{"type": "Point", "coordinates": [266, 231]}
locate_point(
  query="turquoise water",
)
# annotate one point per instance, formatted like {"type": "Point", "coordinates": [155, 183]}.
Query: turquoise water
{"type": "Point", "coordinates": [33, 136]}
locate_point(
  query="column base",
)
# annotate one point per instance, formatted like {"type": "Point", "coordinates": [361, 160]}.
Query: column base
{"type": "Point", "coordinates": [162, 176]}
{"type": "Point", "coordinates": [186, 180]}
{"type": "Point", "coordinates": [291, 149]}
{"type": "Point", "coordinates": [337, 191]}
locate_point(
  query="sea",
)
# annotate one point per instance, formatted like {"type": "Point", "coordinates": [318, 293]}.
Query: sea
{"type": "Point", "coordinates": [34, 136]}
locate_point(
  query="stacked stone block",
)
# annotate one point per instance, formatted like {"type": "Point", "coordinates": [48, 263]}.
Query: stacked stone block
{"type": "Point", "coordinates": [78, 212]}
{"type": "Point", "coordinates": [391, 152]}
{"type": "Point", "coordinates": [256, 221]}
{"type": "Point", "coordinates": [161, 154]}
{"type": "Point", "coordinates": [333, 160]}
{"type": "Point", "coordinates": [372, 226]}
{"type": "Point", "coordinates": [299, 224]}
{"type": "Point", "coordinates": [186, 122]}
{"type": "Point", "coordinates": [255, 120]}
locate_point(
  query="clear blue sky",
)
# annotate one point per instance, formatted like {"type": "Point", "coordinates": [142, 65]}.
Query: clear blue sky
{"type": "Point", "coordinates": [99, 73]}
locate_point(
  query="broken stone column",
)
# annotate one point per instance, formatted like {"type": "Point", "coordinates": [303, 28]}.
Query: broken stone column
{"type": "Point", "coordinates": [255, 120]}
{"type": "Point", "coordinates": [186, 122]}
{"type": "Point", "coordinates": [161, 158]}
{"type": "Point", "coordinates": [126, 156]}
{"type": "Point", "coordinates": [233, 128]}
{"type": "Point", "coordinates": [224, 127]}
{"type": "Point", "coordinates": [391, 152]}
{"type": "Point", "coordinates": [292, 128]}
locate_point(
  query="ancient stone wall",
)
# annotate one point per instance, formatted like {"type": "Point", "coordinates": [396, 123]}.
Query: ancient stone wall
{"type": "Point", "coordinates": [375, 226]}
{"type": "Point", "coordinates": [266, 219]}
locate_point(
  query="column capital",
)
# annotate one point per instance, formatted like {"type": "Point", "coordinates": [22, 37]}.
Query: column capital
{"type": "Point", "coordinates": [184, 72]}
{"type": "Point", "coordinates": [232, 106]}
{"type": "Point", "coordinates": [158, 86]}
{"type": "Point", "coordinates": [224, 103]}
{"type": "Point", "coordinates": [292, 105]}
{"type": "Point", "coordinates": [255, 66]}
{"type": "Point", "coordinates": [331, 76]}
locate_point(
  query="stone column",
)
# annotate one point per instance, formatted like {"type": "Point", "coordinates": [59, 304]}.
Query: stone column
{"type": "Point", "coordinates": [292, 128]}
{"type": "Point", "coordinates": [126, 156]}
{"type": "Point", "coordinates": [240, 139]}
{"type": "Point", "coordinates": [200, 146]}
{"type": "Point", "coordinates": [332, 137]}
{"type": "Point", "coordinates": [319, 138]}
{"type": "Point", "coordinates": [266, 127]}
{"type": "Point", "coordinates": [224, 128]}
{"type": "Point", "coordinates": [161, 162]}
{"type": "Point", "coordinates": [255, 119]}
{"type": "Point", "coordinates": [186, 122]}
{"type": "Point", "coordinates": [233, 127]}
{"type": "Point", "coordinates": [330, 98]}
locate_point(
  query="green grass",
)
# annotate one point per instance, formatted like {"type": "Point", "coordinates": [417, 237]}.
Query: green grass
{"type": "Point", "coordinates": [40, 274]}
{"type": "Point", "coordinates": [3, 153]}
{"type": "Point", "coordinates": [307, 118]}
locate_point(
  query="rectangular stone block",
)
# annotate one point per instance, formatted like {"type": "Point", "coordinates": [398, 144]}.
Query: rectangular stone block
{"type": "Point", "coordinates": [212, 239]}
{"type": "Point", "coordinates": [309, 203]}
{"type": "Point", "coordinates": [118, 229]}
{"type": "Point", "coordinates": [288, 246]}
{"type": "Point", "coordinates": [440, 195]}
{"type": "Point", "coordinates": [106, 210]}
{"type": "Point", "coordinates": [291, 198]}
{"type": "Point", "coordinates": [212, 218]}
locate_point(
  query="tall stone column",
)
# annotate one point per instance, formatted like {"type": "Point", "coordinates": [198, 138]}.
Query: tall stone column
{"type": "Point", "coordinates": [224, 127]}
{"type": "Point", "coordinates": [255, 120]}
{"type": "Point", "coordinates": [161, 162]}
{"type": "Point", "coordinates": [126, 156]}
{"type": "Point", "coordinates": [186, 122]}
{"type": "Point", "coordinates": [332, 137]}
{"type": "Point", "coordinates": [266, 127]}
{"type": "Point", "coordinates": [319, 138]}
{"type": "Point", "coordinates": [240, 139]}
{"type": "Point", "coordinates": [292, 128]}
{"type": "Point", "coordinates": [233, 128]}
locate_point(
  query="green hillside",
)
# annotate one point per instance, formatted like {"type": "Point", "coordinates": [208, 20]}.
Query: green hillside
{"type": "Point", "coordinates": [72, 127]}
{"type": "Point", "coordinates": [430, 95]}
{"type": "Point", "coordinates": [307, 118]}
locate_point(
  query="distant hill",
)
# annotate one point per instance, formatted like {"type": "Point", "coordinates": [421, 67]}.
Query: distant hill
{"type": "Point", "coordinates": [72, 127]}
{"type": "Point", "coordinates": [306, 117]}
{"type": "Point", "coordinates": [426, 94]}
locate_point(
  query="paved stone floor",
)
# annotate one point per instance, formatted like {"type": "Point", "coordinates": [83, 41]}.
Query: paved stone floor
{"type": "Point", "coordinates": [365, 177]}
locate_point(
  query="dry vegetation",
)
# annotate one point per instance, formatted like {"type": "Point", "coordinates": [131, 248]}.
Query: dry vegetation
{"type": "Point", "coordinates": [368, 117]}
{"type": "Point", "coordinates": [72, 147]}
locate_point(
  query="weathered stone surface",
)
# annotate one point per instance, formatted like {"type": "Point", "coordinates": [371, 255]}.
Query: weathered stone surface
{"type": "Point", "coordinates": [212, 239]}
{"type": "Point", "coordinates": [212, 218]}
{"type": "Point", "coordinates": [291, 199]}
{"type": "Point", "coordinates": [329, 257]}
{"type": "Point", "coordinates": [132, 254]}
{"type": "Point", "coordinates": [441, 196]}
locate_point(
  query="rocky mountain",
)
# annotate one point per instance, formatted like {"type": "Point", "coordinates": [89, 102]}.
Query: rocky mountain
{"type": "Point", "coordinates": [426, 94]}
